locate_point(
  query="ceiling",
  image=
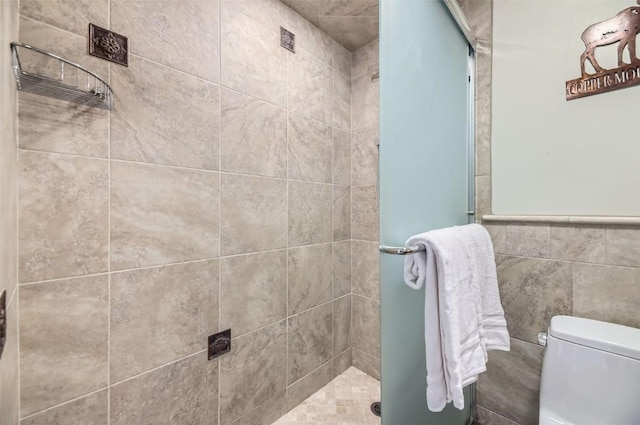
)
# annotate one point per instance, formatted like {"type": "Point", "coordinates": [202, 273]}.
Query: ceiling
{"type": "Point", "coordinates": [352, 23]}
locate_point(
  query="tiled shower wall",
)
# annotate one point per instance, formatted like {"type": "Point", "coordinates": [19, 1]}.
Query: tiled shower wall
{"type": "Point", "coordinates": [543, 270]}
{"type": "Point", "coordinates": [364, 195]}
{"type": "Point", "coordinates": [214, 195]}
{"type": "Point", "coordinates": [8, 213]}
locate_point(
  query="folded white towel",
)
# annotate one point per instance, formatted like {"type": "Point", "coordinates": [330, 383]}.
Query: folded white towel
{"type": "Point", "coordinates": [463, 314]}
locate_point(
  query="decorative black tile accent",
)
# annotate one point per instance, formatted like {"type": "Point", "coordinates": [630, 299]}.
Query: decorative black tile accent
{"type": "Point", "coordinates": [3, 321]}
{"type": "Point", "coordinates": [108, 45]}
{"type": "Point", "coordinates": [287, 40]}
{"type": "Point", "coordinates": [219, 344]}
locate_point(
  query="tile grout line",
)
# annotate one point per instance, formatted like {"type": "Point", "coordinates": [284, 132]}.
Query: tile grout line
{"type": "Point", "coordinates": [286, 364]}
{"type": "Point", "coordinates": [17, 241]}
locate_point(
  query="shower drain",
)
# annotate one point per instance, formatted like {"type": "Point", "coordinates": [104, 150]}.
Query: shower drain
{"type": "Point", "coordinates": [375, 408]}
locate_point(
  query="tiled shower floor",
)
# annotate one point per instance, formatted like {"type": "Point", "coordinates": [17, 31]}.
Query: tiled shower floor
{"type": "Point", "coordinates": [344, 401]}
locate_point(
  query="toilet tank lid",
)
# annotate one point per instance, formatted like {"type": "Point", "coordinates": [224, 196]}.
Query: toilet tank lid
{"type": "Point", "coordinates": [617, 339]}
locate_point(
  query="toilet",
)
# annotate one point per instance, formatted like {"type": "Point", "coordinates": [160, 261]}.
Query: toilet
{"type": "Point", "coordinates": [590, 373]}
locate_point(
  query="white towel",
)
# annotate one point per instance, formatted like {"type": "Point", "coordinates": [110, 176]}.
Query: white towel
{"type": "Point", "coordinates": [463, 314]}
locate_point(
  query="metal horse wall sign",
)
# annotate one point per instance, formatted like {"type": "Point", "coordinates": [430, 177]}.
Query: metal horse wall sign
{"type": "Point", "coordinates": [622, 29]}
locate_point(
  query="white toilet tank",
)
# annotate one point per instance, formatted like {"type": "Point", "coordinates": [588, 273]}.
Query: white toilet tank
{"type": "Point", "coordinates": [590, 373]}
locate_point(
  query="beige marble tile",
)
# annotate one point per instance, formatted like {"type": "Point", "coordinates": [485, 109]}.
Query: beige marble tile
{"type": "Point", "coordinates": [623, 246]}
{"type": "Point", "coordinates": [309, 150]}
{"type": "Point", "coordinates": [63, 210]}
{"type": "Point", "coordinates": [341, 157]}
{"type": "Point", "coordinates": [341, 100]}
{"type": "Point", "coordinates": [253, 291]}
{"type": "Point", "coordinates": [364, 157]}
{"type": "Point", "coordinates": [183, 35]}
{"type": "Point", "coordinates": [63, 341]}
{"type": "Point", "coordinates": [528, 240]}
{"type": "Point", "coordinates": [510, 386]}
{"type": "Point", "coordinates": [349, 8]}
{"type": "Point", "coordinates": [365, 264]}
{"type": "Point", "coordinates": [310, 38]}
{"type": "Point", "coordinates": [253, 372]}
{"type": "Point", "coordinates": [366, 363]}
{"type": "Point", "coordinates": [253, 214]}
{"type": "Point", "coordinates": [9, 21]}
{"type": "Point", "coordinates": [163, 116]}
{"type": "Point", "coordinates": [487, 417]}
{"type": "Point", "coordinates": [342, 362]}
{"type": "Point", "coordinates": [171, 308]}
{"type": "Point", "coordinates": [270, 13]}
{"type": "Point", "coordinates": [607, 293]}
{"type": "Point", "coordinates": [497, 233]}
{"type": "Point", "coordinates": [532, 291]}
{"type": "Point", "coordinates": [310, 86]}
{"type": "Point", "coordinates": [341, 59]}
{"type": "Point", "coordinates": [9, 396]}
{"type": "Point", "coordinates": [364, 210]}
{"type": "Point", "coordinates": [308, 385]}
{"type": "Point", "coordinates": [341, 213]}
{"type": "Point", "coordinates": [310, 273]}
{"type": "Point", "coordinates": [578, 243]}
{"type": "Point", "coordinates": [252, 129]}
{"type": "Point", "coordinates": [309, 341]}
{"type": "Point", "coordinates": [341, 324]}
{"type": "Point", "coordinates": [365, 334]}
{"type": "Point", "coordinates": [162, 215]}
{"type": "Point", "coordinates": [352, 32]}
{"type": "Point", "coordinates": [479, 14]}
{"type": "Point", "coordinates": [53, 125]}
{"type": "Point", "coordinates": [365, 102]}
{"type": "Point", "coordinates": [341, 268]}
{"type": "Point", "coordinates": [70, 15]}
{"type": "Point", "coordinates": [483, 137]}
{"type": "Point", "coordinates": [8, 212]}
{"type": "Point", "coordinates": [483, 196]}
{"type": "Point", "coordinates": [90, 410]}
{"type": "Point", "coordinates": [266, 413]}
{"type": "Point", "coordinates": [483, 69]}
{"type": "Point", "coordinates": [309, 213]}
{"type": "Point", "coordinates": [309, 9]}
{"type": "Point", "coordinates": [185, 393]}
{"type": "Point", "coordinates": [252, 60]}
{"type": "Point", "coordinates": [364, 58]}
{"type": "Point", "coordinates": [345, 400]}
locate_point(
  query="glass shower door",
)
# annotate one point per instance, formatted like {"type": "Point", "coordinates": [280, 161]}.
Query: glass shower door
{"type": "Point", "coordinates": [424, 182]}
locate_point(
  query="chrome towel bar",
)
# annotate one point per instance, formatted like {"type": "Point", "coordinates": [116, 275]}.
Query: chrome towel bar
{"type": "Point", "coordinates": [401, 250]}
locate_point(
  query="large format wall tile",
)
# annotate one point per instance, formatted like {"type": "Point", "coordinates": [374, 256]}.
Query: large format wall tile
{"type": "Point", "coordinates": [342, 60]}
{"type": "Point", "coordinates": [365, 157]}
{"type": "Point", "coordinates": [267, 412]}
{"type": "Point", "coordinates": [578, 243]}
{"type": "Point", "coordinates": [366, 363]}
{"type": "Point", "coordinates": [511, 384]}
{"type": "Point", "coordinates": [341, 268]}
{"type": "Point", "coordinates": [63, 210]}
{"type": "Point", "coordinates": [341, 157]}
{"type": "Point", "coordinates": [309, 341]}
{"type": "Point", "coordinates": [10, 400]}
{"type": "Point", "coordinates": [183, 35]}
{"type": "Point", "coordinates": [63, 341]}
{"type": "Point", "coordinates": [253, 372]}
{"type": "Point", "coordinates": [309, 277]}
{"type": "Point", "coordinates": [532, 291]}
{"type": "Point", "coordinates": [90, 410]}
{"type": "Point", "coordinates": [365, 278]}
{"type": "Point", "coordinates": [341, 324]}
{"type": "Point", "coordinates": [528, 240]}
{"type": "Point", "coordinates": [253, 214]}
{"type": "Point", "coordinates": [342, 361]}
{"type": "Point", "coordinates": [70, 15]}
{"type": "Point", "coordinates": [162, 215]}
{"type": "Point", "coordinates": [302, 389]}
{"type": "Point", "coordinates": [607, 293]}
{"type": "Point", "coordinates": [309, 213]}
{"type": "Point", "coordinates": [309, 150]}
{"type": "Point", "coordinates": [487, 417]}
{"type": "Point", "coordinates": [365, 107]}
{"type": "Point", "coordinates": [623, 246]}
{"type": "Point", "coordinates": [252, 129]}
{"type": "Point", "coordinates": [253, 290]}
{"type": "Point", "coordinates": [364, 58]}
{"type": "Point", "coordinates": [310, 86]}
{"type": "Point", "coordinates": [270, 13]}
{"type": "Point", "coordinates": [352, 31]}
{"type": "Point", "coordinates": [483, 137]}
{"type": "Point", "coordinates": [364, 210]}
{"type": "Point", "coordinates": [185, 393]}
{"type": "Point", "coordinates": [169, 308]}
{"type": "Point", "coordinates": [252, 60]}
{"type": "Point", "coordinates": [310, 38]}
{"type": "Point", "coordinates": [164, 116]}
{"type": "Point", "coordinates": [365, 334]}
{"type": "Point", "coordinates": [341, 213]}
{"type": "Point", "coordinates": [341, 100]}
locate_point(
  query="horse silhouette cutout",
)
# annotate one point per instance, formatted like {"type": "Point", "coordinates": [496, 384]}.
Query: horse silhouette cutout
{"type": "Point", "coordinates": [622, 28]}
